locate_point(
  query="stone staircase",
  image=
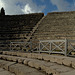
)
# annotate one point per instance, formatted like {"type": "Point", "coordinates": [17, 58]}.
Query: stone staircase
{"type": "Point", "coordinates": [57, 25]}
{"type": "Point", "coordinates": [36, 64]}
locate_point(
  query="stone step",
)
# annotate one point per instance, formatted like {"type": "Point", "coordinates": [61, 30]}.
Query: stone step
{"type": "Point", "coordinates": [16, 37]}
{"type": "Point", "coordinates": [55, 34]}
{"type": "Point", "coordinates": [54, 37]}
{"type": "Point", "coordinates": [53, 31]}
{"type": "Point", "coordinates": [58, 25]}
{"type": "Point", "coordinates": [68, 61]}
{"type": "Point", "coordinates": [49, 18]}
{"type": "Point", "coordinates": [19, 69]}
{"type": "Point", "coordinates": [17, 28]}
{"type": "Point", "coordinates": [59, 17]}
{"type": "Point", "coordinates": [13, 40]}
{"type": "Point", "coordinates": [61, 14]}
{"type": "Point", "coordinates": [48, 67]}
{"type": "Point", "coordinates": [57, 21]}
{"type": "Point", "coordinates": [5, 38]}
{"type": "Point", "coordinates": [51, 27]}
{"type": "Point", "coordinates": [5, 72]}
{"type": "Point", "coordinates": [19, 32]}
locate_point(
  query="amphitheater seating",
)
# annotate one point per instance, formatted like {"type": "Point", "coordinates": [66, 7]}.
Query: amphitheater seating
{"type": "Point", "coordinates": [18, 63]}
{"type": "Point", "coordinates": [17, 27]}
{"type": "Point", "coordinates": [56, 25]}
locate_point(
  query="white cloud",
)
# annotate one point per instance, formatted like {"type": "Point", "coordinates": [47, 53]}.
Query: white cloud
{"type": "Point", "coordinates": [32, 8]}
{"type": "Point", "coordinates": [27, 9]}
{"type": "Point", "coordinates": [1, 4]}
{"type": "Point", "coordinates": [20, 6]}
{"type": "Point", "coordinates": [63, 5]}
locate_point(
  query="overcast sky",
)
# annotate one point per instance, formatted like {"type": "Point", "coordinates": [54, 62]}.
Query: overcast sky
{"type": "Point", "coordinates": [36, 6]}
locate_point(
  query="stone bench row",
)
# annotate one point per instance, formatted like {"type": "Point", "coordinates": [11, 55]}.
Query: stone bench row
{"type": "Point", "coordinates": [48, 67]}
{"type": "Point", "coordinates": [67, 61]}
{"type": "Point", "coordinates": [18, 69]}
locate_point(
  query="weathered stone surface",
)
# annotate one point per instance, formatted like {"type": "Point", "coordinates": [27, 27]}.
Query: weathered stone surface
{"type": "Point", "coordinates": [37, 65]}
{"type": "Point", "coordinates": [6, 64]}
{"type": "Point", "coordinates": [20, 26]}
{"type": "Point", "coordinates": [24, 54]}
{"type": "Point", "coordinates": [67, 61]}
{"type": "Point", "coordinates": [19, 69]}
{"type": "Point", "coordinates": [49, 58]}
{"type": "Point", "coordinates": [57, 25]}
{"type": "Point", "coordinates": [8, 53]}
{"type": "Point", "coordinates": [56, 65]}
{"type": "Point", "coordinates": [59, 59]}
{"type": "Point", "coordinates": [2, 63]}
{"type": "Point", "coordinates": [29, 55]}
{"type": "Point", "coordinates": [21, 60]}
{"type": "Point", "coordinates": [49, 67]}
{"type": "Point", "coordinates": [46, 57]}
{"type": "Point", "coordinates": [69, 73]}
{"type": "Point", "coordinates": [15, 59]}
{"type": "Point", "coordinates": [1, 56]}
{"type": "Point", "coordinates": [1, 69]}
{"type": "Point", "coordinates": [34, 55]}
{"type": "Point", "coordinates": [9, 58]}
{"type": "Point", "coordinates": [40, 56]}
{"type": "Point", "coordinates": [49, 71]}
{"type": "Point", "coordinates": [73, 63]}
{"type": "Point", "coordinates": [4, 72]}
{"type": "Point", "coordinates": [26, 61]}
{"type": "Point", "coordinates": [14, 53]}
{"type": "Point", "coordinates": [19, 54]}
{"type": "Point", "coordinates": [31, 63]}
{"type": "Point", "coordinates": [4, 52]}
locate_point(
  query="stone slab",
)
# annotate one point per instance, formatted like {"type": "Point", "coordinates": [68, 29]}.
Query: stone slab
{"type": "Point", "coordinates": [20, 69]}
{"type": "Point", "coordinates": [69, 73]}
{"type": "Point", "coordinates": [6, 64]}
{"type": "Point", "coordinates": [40, 56]}
{"type": "Point", "coordinates": [34, 55]}
{"type": "Point", "coordinates": [68, 61]}
{"type": "Point", "coordinates": [6, 73]}
{"type": "Point", "coordinates": [26, 61]}
{"type": "Point", "coordinates": [21, 60]}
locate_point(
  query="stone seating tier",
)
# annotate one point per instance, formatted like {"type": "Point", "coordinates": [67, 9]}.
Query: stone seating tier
{"type": "Point", "coordinates": [56, 25]}
{"type": "Point", "coordinates": [17, 27]}
{"type": "Point", "coordinates": [17, 62]}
